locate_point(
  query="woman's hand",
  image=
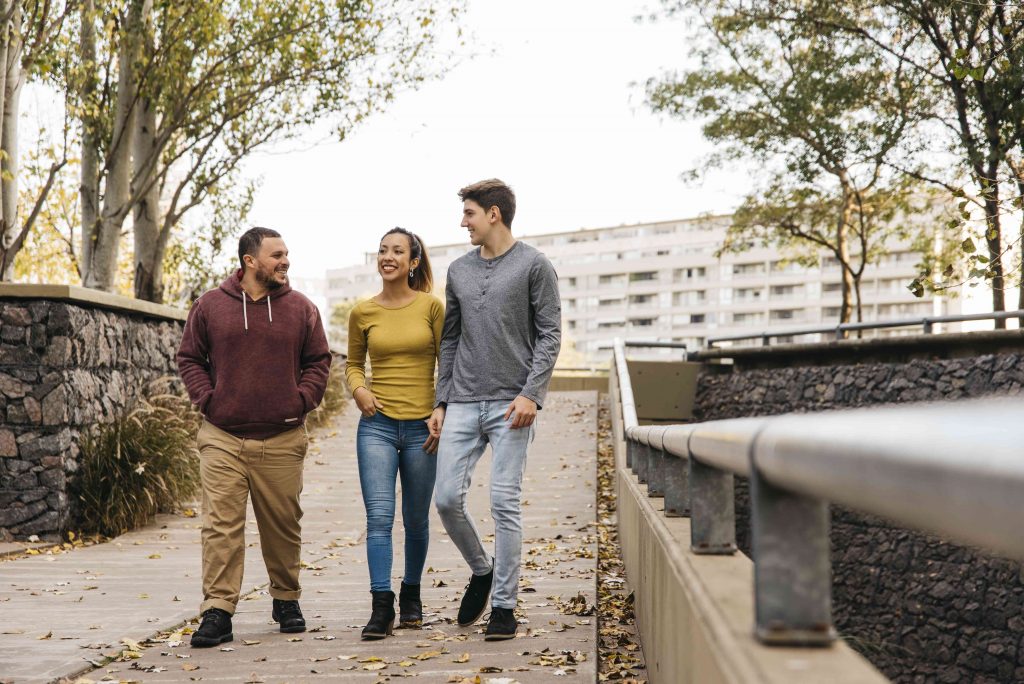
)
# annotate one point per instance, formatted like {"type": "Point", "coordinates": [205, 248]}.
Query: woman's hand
{"type": "Point", "coordinates": [367, 404]}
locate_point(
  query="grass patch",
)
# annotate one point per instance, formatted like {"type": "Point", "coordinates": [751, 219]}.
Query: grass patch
{"type": "Point", "coordinates": [139, 465]}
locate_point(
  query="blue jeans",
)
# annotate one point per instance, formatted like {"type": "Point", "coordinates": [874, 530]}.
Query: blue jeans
{"type": "Point", "coordinates": [386, 448]}
{"type": "Point", "coordinates": [468, 428]}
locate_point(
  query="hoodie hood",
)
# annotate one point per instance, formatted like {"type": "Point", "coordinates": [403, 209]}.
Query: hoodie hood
{"type": "Point", "coordinates": [233, 286]}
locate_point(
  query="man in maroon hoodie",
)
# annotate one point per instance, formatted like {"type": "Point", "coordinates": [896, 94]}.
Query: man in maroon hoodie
{"type": "Point", "coordinates": [255, 360]}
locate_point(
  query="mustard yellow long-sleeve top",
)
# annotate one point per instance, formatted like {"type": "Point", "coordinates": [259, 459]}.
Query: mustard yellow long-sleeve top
{"type": "Point", "coordinates": [403, 345]}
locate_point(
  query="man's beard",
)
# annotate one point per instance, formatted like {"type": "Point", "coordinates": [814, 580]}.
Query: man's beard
{"type": "Point", "coordinates": [265, 277]}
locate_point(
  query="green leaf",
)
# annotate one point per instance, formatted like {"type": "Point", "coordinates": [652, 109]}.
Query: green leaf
{"type": "Point", "coordinates": [968, 246]}
{"type": "Point", "coordinates": [916, 287]}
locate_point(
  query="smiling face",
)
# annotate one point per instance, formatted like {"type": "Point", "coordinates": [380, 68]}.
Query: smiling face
{"type": "Point", "coordinates": [479, 221]}
{"type": "Point", "coordinates": [270, 266]}
{"type": "Point", "coordinates": [394, 258]}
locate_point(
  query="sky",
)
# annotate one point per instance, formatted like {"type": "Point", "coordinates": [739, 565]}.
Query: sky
{"type": "Point", "coordinates": [548, 96]}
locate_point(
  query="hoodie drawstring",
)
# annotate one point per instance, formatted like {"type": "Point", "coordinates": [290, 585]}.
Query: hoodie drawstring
{"type": "Point", "coordinates": [245, 311]}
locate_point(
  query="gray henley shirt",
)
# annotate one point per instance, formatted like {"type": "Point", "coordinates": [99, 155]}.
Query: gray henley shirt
{"type": "Point", "coordinates": [502, 327]}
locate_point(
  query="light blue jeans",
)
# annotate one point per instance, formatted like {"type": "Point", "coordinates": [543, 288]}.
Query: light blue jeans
{"type": "Point", "coordinates": [468, 429]}
{"type": "Point", "coordinates": [387, 448]}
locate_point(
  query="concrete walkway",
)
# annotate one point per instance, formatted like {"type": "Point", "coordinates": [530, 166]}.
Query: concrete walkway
{"type": "Point", "coordinates": [58, 613]}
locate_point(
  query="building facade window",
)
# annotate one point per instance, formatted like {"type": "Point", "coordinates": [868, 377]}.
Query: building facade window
{"type": "Point", "coordinates": [643, 276]}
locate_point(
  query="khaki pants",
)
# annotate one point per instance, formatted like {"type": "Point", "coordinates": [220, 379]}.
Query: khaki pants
{"type": "Point", "coordinates": [231, 468]}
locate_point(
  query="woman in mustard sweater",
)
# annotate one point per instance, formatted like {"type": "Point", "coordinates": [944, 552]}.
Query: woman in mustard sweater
{"type": "Point", "coordinates": [400, 328]}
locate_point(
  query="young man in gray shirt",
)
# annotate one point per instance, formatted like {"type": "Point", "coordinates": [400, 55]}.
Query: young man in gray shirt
{"type": "Point", "coordinates": [502, 333]}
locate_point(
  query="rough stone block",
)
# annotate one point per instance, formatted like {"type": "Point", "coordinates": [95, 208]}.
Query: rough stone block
{"type": "Point", "coordinates": [58, 352]}
{"type": "Point", "coordinates": [55, 407]}
{"type": "Point", "coordinates": [12, 333]}
{"type": "Point", "coordinates": [48, 522]}
{"type": "Point", "coordinates": [19, 512]}
{"type": "Point", "coordinates": [16, 414]}
{"type": "Point", "coordinates": [33, 410]}
{"type": "Point", "coordinates": [53, 478]}
{"type": "Point", "coordinates": [37, 336]}
{"type": "Point", "coordinates": [13, 314]}
{"type": "Point", "coordinates": [39, 310]}
{"type": "Point", "coordinates": [30, 495]}
{"type": "Point", "coordinates": [8, 444]}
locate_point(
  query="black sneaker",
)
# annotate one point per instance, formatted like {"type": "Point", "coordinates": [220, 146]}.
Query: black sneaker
{"type": "Point", "coordinates": [474, 601]}
{"type": "Point", "coordinates": [215, 629]}
{"type": "Point", "coordinates": [289, 615]}
{"type": "Point", "coordinates": [501, 625]}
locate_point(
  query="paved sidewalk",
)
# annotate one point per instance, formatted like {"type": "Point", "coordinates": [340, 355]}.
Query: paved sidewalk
{"type": "Point", "coordinates": [59, 612]}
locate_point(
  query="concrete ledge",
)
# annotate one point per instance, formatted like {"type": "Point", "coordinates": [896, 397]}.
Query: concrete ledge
{"type": "Point", "coordinates": [568, 382]}
{"type": "Point", "coordinates": [896, 349]}
{"type": "Point", "coordinates": [696, 613]}
{"type": "Point", "coordinates": [91, 298]}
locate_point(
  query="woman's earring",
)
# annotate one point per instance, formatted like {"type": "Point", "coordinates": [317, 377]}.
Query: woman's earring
{"type": "Point", "coordinates": [412, 273]}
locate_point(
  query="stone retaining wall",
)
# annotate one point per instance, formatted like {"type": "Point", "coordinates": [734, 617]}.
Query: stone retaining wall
{"type": "Point", "coordinates": [922, 610]}
{"type": "Point", "coordinates": [65, 366]}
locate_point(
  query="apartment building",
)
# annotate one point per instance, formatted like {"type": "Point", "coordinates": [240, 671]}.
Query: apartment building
{"type": "Point", "coordinates": [663, 282]}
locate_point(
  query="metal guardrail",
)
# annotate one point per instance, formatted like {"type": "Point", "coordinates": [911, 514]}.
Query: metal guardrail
{"type": "Point", "coordinates": [927, 324]}
{"type": "Point", "coordinates": [954, 468]}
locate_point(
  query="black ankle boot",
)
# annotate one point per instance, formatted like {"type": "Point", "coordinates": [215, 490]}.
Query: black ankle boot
{"type": "Point", "coordinates": [382, 619]}
{"type": "Point", "coordinates": [410, 608]}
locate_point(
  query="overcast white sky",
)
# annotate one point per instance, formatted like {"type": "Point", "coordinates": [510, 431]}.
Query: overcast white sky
{"type": "Point", "coordinates": [552, 104]}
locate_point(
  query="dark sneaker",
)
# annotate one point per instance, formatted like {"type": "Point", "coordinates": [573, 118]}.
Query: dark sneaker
{"type": "Point", "coordinates": [474, 601]}
{"type": "Point", "coordinates": [501, 625]}
{"type": "Point", "coordinates": [289, 615]}
{"type": "Point", "coordinates": [215, 629]}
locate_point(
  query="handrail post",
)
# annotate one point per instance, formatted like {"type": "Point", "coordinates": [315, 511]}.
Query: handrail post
{"type": "Point", "coordinates": [927, 326]}
{"type": "Point", "coordinates": [655, 472]}
{"type": "Point", "coordinates": [792, 569]}
{"type": "Point", "coordinates": [712, 510]}
{"type": "Point", "coordinates": [656, 463]}
{"type": "Point", "coordinates": [641, 459]}
{"type": "Point", "coordinates": [677, 486]}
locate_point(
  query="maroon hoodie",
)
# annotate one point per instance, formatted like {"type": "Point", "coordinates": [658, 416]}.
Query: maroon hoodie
{"type": "Point", "coordinates": [254, 368]}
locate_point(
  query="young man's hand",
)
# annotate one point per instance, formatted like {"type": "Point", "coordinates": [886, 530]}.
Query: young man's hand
{"type": "Point", "coordinates": [367, 404]}
{"type": "Point", "coordinates": [434, 424]}
{"type": "Point", "coordinates": [524, 410]}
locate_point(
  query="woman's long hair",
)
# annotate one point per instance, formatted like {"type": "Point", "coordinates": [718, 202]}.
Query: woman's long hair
{"type": "Point", "coordinates": [422, 277]}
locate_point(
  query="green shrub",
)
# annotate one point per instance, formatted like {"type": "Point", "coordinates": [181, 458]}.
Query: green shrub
{"type": "Point", "coordinates": [139, 465]}
{"type": "Point", "coordinates": [335, 397]}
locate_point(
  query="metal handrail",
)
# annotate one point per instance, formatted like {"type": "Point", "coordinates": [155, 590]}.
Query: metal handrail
{"type": "Point", "coordinates": [629, 420]}
{"type": "Point", "coordinates": [951, 468]}
{"type": "Point", "coordinates": [927, 324]}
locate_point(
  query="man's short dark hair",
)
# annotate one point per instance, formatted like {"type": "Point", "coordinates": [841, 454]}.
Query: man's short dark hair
{"type": "Point", "coordinates": [250, 242]}
{"type": "Point", "coordinates": [492, 193]}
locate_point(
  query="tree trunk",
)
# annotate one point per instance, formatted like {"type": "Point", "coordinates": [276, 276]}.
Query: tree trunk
{"type": "Point", "coordinates": [860, 303]}
{"type": "Point", "coordinates": [90, 185]}
{"type": "Point", "coordinates": [843, 252]}
{"type": "Point", "coordinates": [994, 241]}
{"type": "Point", "coordinates": [117, 185]}
{"type": "Point", "coordinates": [7, 231]}
{"type": "Point", "coordinates": [150, 244]}
{"type": "Point", "coordinates": [9, 145]}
